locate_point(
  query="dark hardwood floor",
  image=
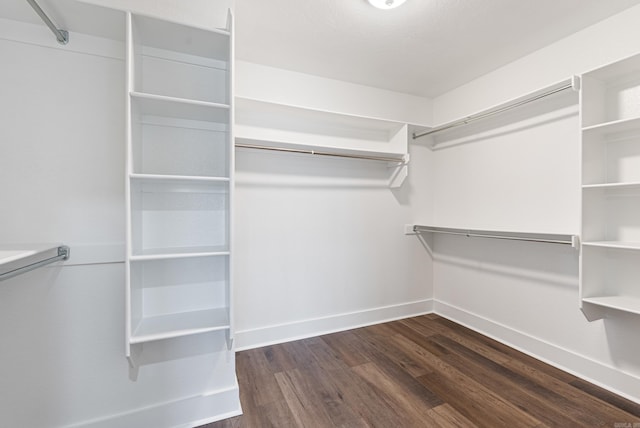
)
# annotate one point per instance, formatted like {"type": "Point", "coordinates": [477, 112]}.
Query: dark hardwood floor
{"type": "Point", "coordinates": [418, 372]}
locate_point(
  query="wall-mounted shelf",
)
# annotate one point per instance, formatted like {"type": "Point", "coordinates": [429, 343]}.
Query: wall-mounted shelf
{"type": "Point", "coordinates": [290, 128]}
{"type": "Point", "coordinates": [17, 259]}
{"type": "Point", "coordinates": [178, 325]}
{"type": "Point", "coordinates": [620, 303]}
{"type": "Point", "coordinates": [610, 189]}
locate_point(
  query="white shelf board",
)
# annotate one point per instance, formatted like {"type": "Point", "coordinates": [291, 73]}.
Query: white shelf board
{"type": "Point", "coordinates": [251, 105]}
{"type": "Point", "coordinates": [178, 178]}
{"type": "Point", "coordinates": [629, 185]}
{"type": "Point", "coordinates": [182, 108]}
{"type": "Point", "coordinates": [621, 303]}
{"type": "Point", "coordinates": [14, 256]}
{"type": "Point", "coordinates": [613, 244]}
{"type": "Point", "coordinates": [616, 69]}
{"type": "Point", "coordinates": [276, 124]}
{"type": "Point", "coordinates": [180, 324]}
{"type": "Point", "coordinates": [177, 253]}
{"type": "Point", "coordinates": [614, 127]}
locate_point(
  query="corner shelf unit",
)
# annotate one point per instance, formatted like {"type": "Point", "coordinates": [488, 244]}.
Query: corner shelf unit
{"type": "Point", "coordinates": [610, 257]}
{"type": "Point", "coordinates": [179, 180]}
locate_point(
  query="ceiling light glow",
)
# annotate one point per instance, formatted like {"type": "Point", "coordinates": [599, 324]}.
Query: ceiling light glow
{"type": "Point", "coordinates": [386, 4]}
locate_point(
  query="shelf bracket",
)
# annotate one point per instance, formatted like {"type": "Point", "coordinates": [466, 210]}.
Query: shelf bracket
{"type": "Point", "coordinates": [400, 173]}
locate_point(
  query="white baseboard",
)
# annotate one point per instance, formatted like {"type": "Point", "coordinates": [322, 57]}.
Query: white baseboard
{"type": "Point", "coordinates": [263, 336]}
{"type": "Point", "coordinates": [184, 413]}
{"type": "Point", "coordinates": [607, 377]}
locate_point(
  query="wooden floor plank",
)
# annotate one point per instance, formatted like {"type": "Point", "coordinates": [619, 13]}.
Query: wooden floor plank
{"type": "Point", "coordinates": [542, 403]}
{"type": "Point", "coordinates": [302, 399]}
{"type": "Point", "coordinates": [419, 372]}
{"type": "Point", "coordinates": [603, 395]}
{"type": "Point", "coordinates": [345, 345]}
{"type": "Point", "coordinates": [447, 416]}
{"type": "Point", "coordinates": [410, 404]}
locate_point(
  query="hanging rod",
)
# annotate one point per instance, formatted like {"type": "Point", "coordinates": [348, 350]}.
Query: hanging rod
{"type": "Point", "coordinates": [320, 153]}
{"type": "Point", "coordinates": [63, 254]}
{"type": "Point", "coordinates": [572, 83]}
{"type": "Point", "coordinates": [61, 35]}
{"type": "Point", "coordinates": [546, 238]}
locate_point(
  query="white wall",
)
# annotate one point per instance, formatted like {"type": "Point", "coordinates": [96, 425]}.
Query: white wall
{"type": "Point", "coordinates": [319, 241]}
{"type": "Point", "coordinates": [522, 173]}
{"type": "Point", "coordinates": [304, 90]}
{"type": "Point", "coordinates": [62, 151]}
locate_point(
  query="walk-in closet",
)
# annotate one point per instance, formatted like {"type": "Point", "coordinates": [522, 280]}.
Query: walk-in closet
{"type": "Point", "coordinates": [319, 213]}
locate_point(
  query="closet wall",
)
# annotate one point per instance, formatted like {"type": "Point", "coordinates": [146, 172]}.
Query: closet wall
{"type": "Point", "coordinates": [319, 240]}
{"type": "Point", "coordinates": [62, 153]}
{"type": "Point", "coordinates": [521, 173]}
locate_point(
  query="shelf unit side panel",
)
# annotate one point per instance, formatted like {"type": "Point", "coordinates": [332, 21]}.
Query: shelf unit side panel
{"type": "Point", "coordinates": [594, 169]}
{"type": "Point", "coordinates": [592, 107]}
{"type": "Point", "coordinates": [231, 172]}
{"type": "Point", "coordinates": [131, 315]}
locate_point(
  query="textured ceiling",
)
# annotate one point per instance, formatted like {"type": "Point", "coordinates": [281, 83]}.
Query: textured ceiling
{"type": "Point", "coordinates": [425, 47]}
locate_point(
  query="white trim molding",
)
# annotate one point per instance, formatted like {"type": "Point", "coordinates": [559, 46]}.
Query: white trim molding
{"type": "Point", "coordinates": [269, 335]}
{"type": "Point", "coordinates": [598, 373]}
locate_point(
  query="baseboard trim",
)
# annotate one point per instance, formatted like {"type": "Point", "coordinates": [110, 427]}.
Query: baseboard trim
{"type": "Point", "coordinates": [607, 377]}
{"type": "Point", "coordinates": [264, 336]}
{"type": "Point", "coordinates": [183, 413]}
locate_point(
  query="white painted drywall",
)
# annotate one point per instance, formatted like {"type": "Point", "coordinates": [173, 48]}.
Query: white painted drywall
{"type": "Point", "coordinates": [62, 169]}
{"type": "Point", "coordinates": [305, 90]}
{"type": "Point", "coordinates": [605, 42]}
{"type": "Point", "coordinates": [527, 177]}
{"type": "Point", "coordinates": [319, 242]}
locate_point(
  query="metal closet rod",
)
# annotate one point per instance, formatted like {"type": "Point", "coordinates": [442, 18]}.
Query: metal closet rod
{"type": "Point", "coordinates": [474, 117]}
{"type": "Point", "coordinates": [513, 236]}
{"type": "Point", "coordinates": [319, 153]}
{"type": "Point", "coordinates": [61, 35]}
{"type": "Point", "coordinates": [63, 254]}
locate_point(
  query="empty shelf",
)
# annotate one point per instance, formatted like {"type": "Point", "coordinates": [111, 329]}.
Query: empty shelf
{"type": "Point", "coordinates": [180, 324]}
{"type": "Point", "coordinates": [21, 258]}
{"type": "Point", "coordinates": [621, 303]}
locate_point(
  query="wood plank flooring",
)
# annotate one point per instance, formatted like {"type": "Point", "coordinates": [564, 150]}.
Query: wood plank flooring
{"type": "Point", "coordinates": [418, 372]}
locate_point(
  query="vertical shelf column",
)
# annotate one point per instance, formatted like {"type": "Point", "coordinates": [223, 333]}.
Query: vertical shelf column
{"type": "Point", "coordinates": [179, 180]}
{"type": "Point", "coordinates": [610, 253]}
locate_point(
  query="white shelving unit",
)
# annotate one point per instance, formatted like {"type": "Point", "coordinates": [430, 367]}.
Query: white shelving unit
{"type": "Point", "coordinates": [610, 260]}
{"type": "Point", "coordinates": [179, 180]}
{"type": "Point", "coordinates": [270, 124]}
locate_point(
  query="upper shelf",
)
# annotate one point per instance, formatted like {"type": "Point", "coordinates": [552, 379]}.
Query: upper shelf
{"type": "Point", "coordinates": [293, 126]}
{"type": "Point", "coordinates": [180, 108]}
{"type": "Point", "coordinates": [161, 34]}
{"type": "Point", "coordinates": [610, 93]}
{"type": "Point", "coordinates": [20, 258]}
